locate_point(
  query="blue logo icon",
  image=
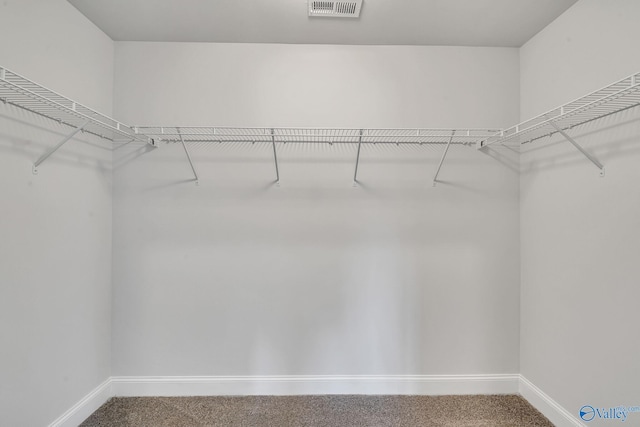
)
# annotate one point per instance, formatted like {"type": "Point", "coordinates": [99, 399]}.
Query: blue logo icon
{"type": "Point", "coordinates": [587, 413]}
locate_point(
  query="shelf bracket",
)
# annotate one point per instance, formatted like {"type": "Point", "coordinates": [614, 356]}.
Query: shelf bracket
{"type": "Point", "coordinates": [435, 177]}
{"type": "Point", "coordinates": [186, 151]}
{"type": "Point", "coordinates": [355, 173]}
{"type": "Point", "coordinates": [275, 155]}
{"type": "Point", "coordinates": [579, 148]}
{"type": "Point", "coordinates": [46, 155]}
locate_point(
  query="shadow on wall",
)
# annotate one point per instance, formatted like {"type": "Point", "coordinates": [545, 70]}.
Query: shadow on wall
{"type": "Point", "coordinates": [231, 170]}
{"type": "Point", "coordinates": [505, 154]}
{"type": "Point", "coordinates": [136, 150]}
{"type": "Point", "coordinates": [29, 136]}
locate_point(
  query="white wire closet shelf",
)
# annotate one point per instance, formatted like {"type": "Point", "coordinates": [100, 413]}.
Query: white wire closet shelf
{"type": "Point", "coordinates": [609, 100]}
{"type": "Point", "coordinates": [23, 93]}
{"type": "Point", "coordinates": [315, 135]}
{"type": "Point", "coordinates": [273, 136]}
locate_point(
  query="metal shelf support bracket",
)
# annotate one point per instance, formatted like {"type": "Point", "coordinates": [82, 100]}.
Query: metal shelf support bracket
{"type": "Point", "coordinates": [186, 151]}
{"type": "Point", "coordinates": [444, 154]}
{"type": "Point", "coordinates": [46, 155]}
{"type": "Point", "coordinates": [275, 156]}
{"type": "Point", "coordinates": [355, 173]}
{"type": "Point", "coordinates": [579, 148]}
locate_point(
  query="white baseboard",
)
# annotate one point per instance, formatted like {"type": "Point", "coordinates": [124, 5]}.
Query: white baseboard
{"type": "Point", "coordinates": [558, 415]}
{"type": "Point", "coordinates": [309, 385]}
{"type": "Point", "coordinates": [85, 407]}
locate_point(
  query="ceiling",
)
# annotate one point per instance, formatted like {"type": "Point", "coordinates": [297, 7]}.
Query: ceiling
{"type": "Point", "coordinates": [505, 23]}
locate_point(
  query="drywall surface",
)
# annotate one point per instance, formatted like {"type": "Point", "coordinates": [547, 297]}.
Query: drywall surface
{"type": "Point", "coordinates": [241, 276]}
{"type": "Point", "coordinates": [580, 232]}
{"type": "Point", "coordinates": [55, 228]}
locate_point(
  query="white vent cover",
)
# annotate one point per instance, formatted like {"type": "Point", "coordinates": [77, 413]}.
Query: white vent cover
{"type": "Point", "coordinates": [335, 9]}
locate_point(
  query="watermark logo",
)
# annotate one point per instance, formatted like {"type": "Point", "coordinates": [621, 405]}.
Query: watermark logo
{"type": "Point", "coordinates": [587, 413]}
{"type": "Point", "coordinates": [616, 413]}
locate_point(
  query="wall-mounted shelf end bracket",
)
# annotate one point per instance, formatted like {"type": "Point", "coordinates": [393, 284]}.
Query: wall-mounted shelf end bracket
{"type": "Point", "coordinates": [46, 155]}
{"type": "Point", "coordinates": [592, 159]}
{"type": "Point", "coordinates": [151, 141]}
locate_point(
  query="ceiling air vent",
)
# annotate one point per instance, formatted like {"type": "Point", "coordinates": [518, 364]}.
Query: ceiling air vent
{"type": "Point", "coordinates": [335, 9]}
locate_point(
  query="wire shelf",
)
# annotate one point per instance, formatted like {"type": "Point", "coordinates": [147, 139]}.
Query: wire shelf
{"type": "Point", "coordinates": [316, 135]}
{"type": "Point", "coordinates": [23, 93]}
{"type": "Point", "coordinates": [611, 99]}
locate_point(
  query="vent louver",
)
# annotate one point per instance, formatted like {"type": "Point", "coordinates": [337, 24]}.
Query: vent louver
{"type": "Point", "coordinates": [335, 9]}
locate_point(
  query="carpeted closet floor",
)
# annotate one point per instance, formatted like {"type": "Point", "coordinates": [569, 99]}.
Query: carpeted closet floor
{"type": "Point", "coordinates": [334, 411]}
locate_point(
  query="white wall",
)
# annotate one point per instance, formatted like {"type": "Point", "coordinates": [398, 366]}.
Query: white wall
{"type": "Point", "coordinates": [580, 232]}
{"type": "Point", "coordinates": [242, 277]}
{"type": "Point", "coordinates": [55, 228]}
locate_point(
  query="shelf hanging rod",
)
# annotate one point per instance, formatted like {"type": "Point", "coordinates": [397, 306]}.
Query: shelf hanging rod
{"type": "Point", "coordinates": [579, 147]}
{"type": "Point", "coordinates": [46, 155]}
{"type": "Point", "coordinates": [186, 151]}
{"type": "Point", "coordinates": [444, 154]}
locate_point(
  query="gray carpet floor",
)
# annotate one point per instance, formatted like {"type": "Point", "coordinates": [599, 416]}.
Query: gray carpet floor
{"type": "Point", "coordinates": [320, 411]}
